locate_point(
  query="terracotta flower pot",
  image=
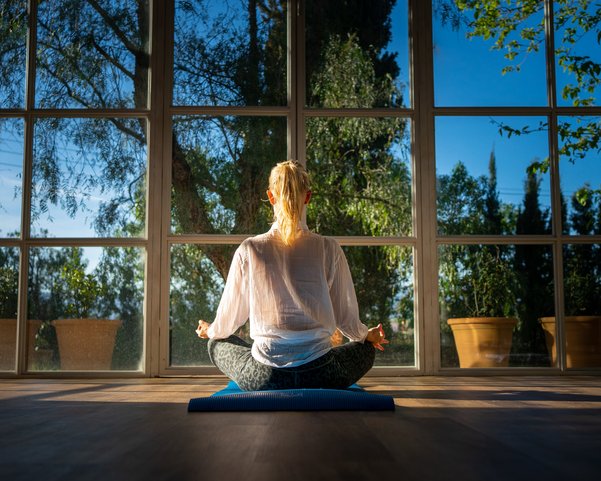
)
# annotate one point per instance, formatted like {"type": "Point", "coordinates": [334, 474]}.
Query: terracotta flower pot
{"type": "Point", "coordinates": [86, 344]}
{"type": "Point", "coordinates": [483, 341]}
{"type": "Point", "coordinates": [583, 340]}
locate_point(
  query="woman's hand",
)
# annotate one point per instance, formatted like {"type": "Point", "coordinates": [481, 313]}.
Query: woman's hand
{"type": "Point", "coordinates": [377, 337]}
{"type": "Point", "coordinates": [201, 331]}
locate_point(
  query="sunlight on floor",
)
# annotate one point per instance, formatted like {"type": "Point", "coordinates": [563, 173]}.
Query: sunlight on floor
{"type": "Point", "coordinates": [414, 392]}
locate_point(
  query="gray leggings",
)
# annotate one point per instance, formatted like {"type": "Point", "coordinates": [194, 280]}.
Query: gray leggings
{"type": "Point", "coordinates": [337, 369]}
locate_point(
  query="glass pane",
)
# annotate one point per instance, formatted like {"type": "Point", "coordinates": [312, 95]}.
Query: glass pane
{"type": "Point", "coordinates": [577, 52]}
{"type": "Point", "coordinates": [492, 299]}
{"type": "Point", "coordinates": [484, 184]}
{"type": "Point", "coordinates": [220, 173]}
{"type": "Point", "coordinates": [198, 274]}
{"type": "Point", "coordinates": [89, 178]}
{"type": "Point", "coordinates": [88, 303]}
{"type": "Point", "coordinates": [582, 294]}
{"type": "Point", "coordinates": [361, 175]}
{"type": "Point", "coordinates": [9, 287]}
{"type": "Point", "coordinates": [580, 174]}
{"type": "Point", "coordinates": [357, 54]}
{"type": "Point", "coordinates": [13, 53]}
{"type": "Point", "coordinates": [383, 278]}
{"type": "Point", "coordinates": [11, 172]}
{"type": "Point", "coordinates": [489, 55]}
{"type": "Point", "coordinates": [93, 54]}
{"type": "Point", "coordinates": [230, 53]}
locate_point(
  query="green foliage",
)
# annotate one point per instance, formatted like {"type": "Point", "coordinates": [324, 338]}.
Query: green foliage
{"type": "Point", "coordinates": [9, 284]}
{"type": "Point", "coordinates": [195, 293]}
{"type": "Point", "coordinates": [13, 35]}
{"type": "Point", "coordinates": [369, 23]}
{"type": "Point", "coordinates": [359, 168]}
{"type": "Point", "coordinates": [534, 268]}
{"type": "Point", "coordinates": [477, 281]}
{"type": "Point", "coordinates": [492, 209]}
{"type": "Point", "coordinates": [121, 273]}
{"type": "Point", "coordinates": [360, 175]}
{"type": "Point", "coordinates": [509, 25]}
{"type": "Point", "coordinates": [82, 290]}
{"type": "Point", "coordinates": [359, 186]}
{"type": "Point", "coordinates": [493, 285]}
{"type": "Point", "coordinates": [582, 282]}
{"type": "Point", "coordinates": [93, 54]}
{"type": "Point", "coordinates": [506, 25]}
{"type": "Point", "coordinates": [348, 78]}
{"type": "Point", "coordinates": [361, 181]}
{"type": "Point", "coordinates": [579, 138]}
{"type": "Point", "coordinates": [59, 286]}
{"type": "Point", "coordinates": [461, 202]}
{"type": "Point", "coordinates": [582, 278]}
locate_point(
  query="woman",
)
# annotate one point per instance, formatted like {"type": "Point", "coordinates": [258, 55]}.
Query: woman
{"type": "Point", "coordinates": [296, 288]}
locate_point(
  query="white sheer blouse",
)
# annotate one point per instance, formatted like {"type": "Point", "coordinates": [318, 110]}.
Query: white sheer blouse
{"type": "Point", "coordinates": [294, 296]}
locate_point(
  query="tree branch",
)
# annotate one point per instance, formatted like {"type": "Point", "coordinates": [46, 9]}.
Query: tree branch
{"type": "Point", "coordinates": [110, 21]}
{"type": "Point", "coordinates": [110, 59]}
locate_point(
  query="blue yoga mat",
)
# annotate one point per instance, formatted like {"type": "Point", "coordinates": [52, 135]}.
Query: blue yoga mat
{"type": "Point", "coordinates": [232, 398]}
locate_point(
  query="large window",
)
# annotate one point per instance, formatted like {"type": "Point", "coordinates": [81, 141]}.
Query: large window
{"type": "Point", "coordinates": [517, 178]}
{"type": "Point", "coordinates": [453, 147]}
{"type": "Point", "coordinates": [74, 86]}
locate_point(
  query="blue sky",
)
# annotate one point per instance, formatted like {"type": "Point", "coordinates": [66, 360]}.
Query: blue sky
{"type": "Point", "coordinates": [11, 160]}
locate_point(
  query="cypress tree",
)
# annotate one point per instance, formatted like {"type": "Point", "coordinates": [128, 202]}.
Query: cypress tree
{"type": "Point", "coordinates": [492, 212]}
{"type": "Point", "coordinates": [534, 267]}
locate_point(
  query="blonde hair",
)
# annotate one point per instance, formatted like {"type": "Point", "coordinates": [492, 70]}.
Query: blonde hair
{"type": "Point", "coordinates": [289, 184]}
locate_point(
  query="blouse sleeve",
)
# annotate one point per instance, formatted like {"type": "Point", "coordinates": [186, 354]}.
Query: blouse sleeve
{"type": "Point", "coordinates": [344, 301]}
{"type": "Point", "coordinates": [233, 308]}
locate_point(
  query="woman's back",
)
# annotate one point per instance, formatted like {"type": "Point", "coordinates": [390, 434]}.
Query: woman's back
{"type": "Point", "coordinates": [294, 294]}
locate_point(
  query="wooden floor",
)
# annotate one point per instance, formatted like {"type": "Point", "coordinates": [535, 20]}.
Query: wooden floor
{"type": "Point", "coordinates": [485, 429]}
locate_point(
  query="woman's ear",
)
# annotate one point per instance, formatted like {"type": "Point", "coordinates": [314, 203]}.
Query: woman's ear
{"type": "Point", "coordinates": [308, 198]}
{"type": "Point", "coordinates": [271, 197]}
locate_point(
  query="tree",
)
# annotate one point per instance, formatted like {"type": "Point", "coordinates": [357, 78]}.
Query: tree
{"type": "Point", "coordinates": [13, 34]}
{"type": "Point", "coordinates": [532, 219]}
{"type": "Point", "coordinates": [121, 272]}
{"type": "Point", "coordinates": [360, 166]}
{"type": "Point", "coordinates": [461, 202]}
{"type": "Point", "coordinates": [369, 24]}
{"type": "Point", "coordinates": [534, 267]}
{"type": "Point", "coordinates": [492, 214]}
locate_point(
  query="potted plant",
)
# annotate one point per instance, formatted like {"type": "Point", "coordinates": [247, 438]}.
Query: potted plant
{"type": "Point", "coordinates": [85, 342]}
{"type": "Point", "coordinates": [485, 284]}
{"type": "Point", "coordinates": [582, 322]}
